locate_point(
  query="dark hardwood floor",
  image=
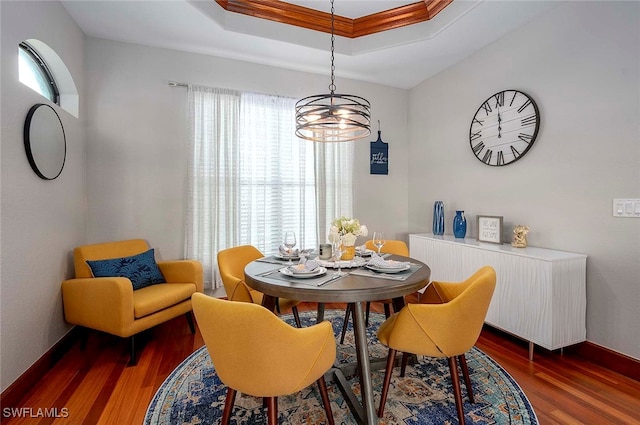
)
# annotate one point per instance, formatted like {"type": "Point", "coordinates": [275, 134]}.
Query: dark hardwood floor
{"type": "Point", "coordinates": [95, 386]}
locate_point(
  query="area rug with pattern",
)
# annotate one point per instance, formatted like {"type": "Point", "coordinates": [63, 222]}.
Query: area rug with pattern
{"type": "Point", "coordinates": [193, 393]}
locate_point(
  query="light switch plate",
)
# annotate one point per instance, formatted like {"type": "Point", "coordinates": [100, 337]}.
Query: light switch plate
{"type": "Point", "coordinates": [626, 208]}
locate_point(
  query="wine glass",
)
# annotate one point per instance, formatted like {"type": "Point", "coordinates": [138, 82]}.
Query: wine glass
{"type": "Point", "coordinates": [378, 240]}
{"type": "Point", "coordinates": [290, 242]}
{"type": "Point", "coordinates": [337, 253]}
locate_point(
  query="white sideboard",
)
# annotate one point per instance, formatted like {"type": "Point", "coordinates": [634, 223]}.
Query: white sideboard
{"type": "Point", "coordinates": [540, 294]}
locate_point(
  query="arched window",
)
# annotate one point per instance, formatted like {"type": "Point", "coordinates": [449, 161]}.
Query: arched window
{"type": "Point", "coordinates": [34, 73]}
{"type": "Point", "coordinates": [42, 70]}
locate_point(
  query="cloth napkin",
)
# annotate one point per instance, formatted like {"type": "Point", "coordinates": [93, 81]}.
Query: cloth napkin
{"type": "Point", "coordinates": [284, 251]}
{"type": "Point", "coordinates": [378, 261]}
{"type": "Point", "coordinates": [305, 265]}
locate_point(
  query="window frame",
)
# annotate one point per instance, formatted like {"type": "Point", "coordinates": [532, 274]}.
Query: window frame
{"type": "Point", "coordinates": [44, 68]}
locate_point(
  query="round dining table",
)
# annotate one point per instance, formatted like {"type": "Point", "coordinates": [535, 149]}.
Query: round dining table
{"type": "Point", "coordinates": [349, 288]}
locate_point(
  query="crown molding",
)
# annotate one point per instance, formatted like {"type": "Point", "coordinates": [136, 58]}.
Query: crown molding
{"type": "Point", "coordinates": [303, 17]}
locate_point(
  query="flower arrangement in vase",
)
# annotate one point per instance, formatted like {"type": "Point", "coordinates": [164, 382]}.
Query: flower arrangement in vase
{"type": "Point", "coordinates": [347, 231]}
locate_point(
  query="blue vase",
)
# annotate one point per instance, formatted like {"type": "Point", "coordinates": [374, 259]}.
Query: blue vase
{"type": "Point", "coordinates": [459, 225]}
{"type": "Point", "coordinates": [438, 218]}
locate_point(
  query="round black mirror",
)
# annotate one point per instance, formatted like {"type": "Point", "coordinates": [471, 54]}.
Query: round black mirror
{"type": "Point", "coordinates": [45, 141]}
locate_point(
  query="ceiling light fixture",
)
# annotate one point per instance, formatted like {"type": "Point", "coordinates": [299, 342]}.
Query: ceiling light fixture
{"type": "Point", "coordinates": [333, 117]}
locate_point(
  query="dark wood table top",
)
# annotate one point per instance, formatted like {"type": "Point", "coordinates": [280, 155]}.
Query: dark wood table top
{"type": "Point", "coordinates": [351, 288]}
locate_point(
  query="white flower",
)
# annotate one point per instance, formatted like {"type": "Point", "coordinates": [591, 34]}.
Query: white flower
{"type": "Point", "coordinates": [349, 239]}
{"type": "Point", "coordinates": [348, 229]}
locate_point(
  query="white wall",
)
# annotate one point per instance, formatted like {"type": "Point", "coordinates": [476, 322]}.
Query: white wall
{"type": "Point", "coordinates": [41, 220]}
{"type": "Point", "coordinates": [581, 63]}
{"type": "Point", "coordinates": [137, 131]}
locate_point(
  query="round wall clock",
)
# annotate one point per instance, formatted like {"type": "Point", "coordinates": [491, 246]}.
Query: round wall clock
{"type": "Point", "coordinates": [504, 128]}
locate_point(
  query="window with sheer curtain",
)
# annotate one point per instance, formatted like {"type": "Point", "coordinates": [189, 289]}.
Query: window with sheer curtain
{"type": "Point", "coordinates": [250, 179]}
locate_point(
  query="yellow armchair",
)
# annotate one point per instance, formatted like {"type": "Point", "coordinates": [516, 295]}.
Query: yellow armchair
{"type": "Point", "coordinates": [256, 353]}
{"type": "Point", "coordinates": [231, 262]}
{"type": "Point", "coordinates": [448, 325]}
{"type": "Point", "coordinates": [390, 246]}
{"type": "Point", "coordinates": [110, 304]}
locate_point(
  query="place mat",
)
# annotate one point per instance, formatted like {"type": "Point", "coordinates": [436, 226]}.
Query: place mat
{"type": "Point", "coordinates": [321, 280]}
{"type": "Point", "coordinates": [272, 259]}
{"type": "Point", "coordinates": [404, 275]}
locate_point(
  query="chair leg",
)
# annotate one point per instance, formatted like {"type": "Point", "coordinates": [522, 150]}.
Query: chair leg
{"type": "Point", "coordinates": [347, 314]}
{"type": "Point", "coordinates": [455, 380]}
{"type": "Point", "coordinates": [366, 315]}
{"type": "Point", "coordinates": [228, 406]}
{"type": "Point", "coordinates": [272, 410]}
{"type": "Point", "coordinates": [465, 374]}
{"type": "Point", "coordinates": [132, 351]}
{"type": "Point", "coordinates": [189, 316]}
{"type": "Point", "coordinates": [403, 365]}
{"type": "Point", "coordinates": [322, 385]}
{"type": "Point", "coordinates": [296, 316]}
{"type": "Point", "coordinates": [387, 310]}
{"type": "Point", "coordinates": [387, 379]}
{"type": "Point", "coordinates": [83, 333]}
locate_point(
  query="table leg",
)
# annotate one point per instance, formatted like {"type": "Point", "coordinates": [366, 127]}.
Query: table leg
{"type": "Point", "coordinates": [320, 316]}
{"type": "Point", "coordinates": [366, 387]}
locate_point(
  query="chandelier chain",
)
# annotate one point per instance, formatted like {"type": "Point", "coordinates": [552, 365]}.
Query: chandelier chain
{"type": "Point", "coordinates": [332, 86]}
{"type": "Point", "coordinates": [332, 117]}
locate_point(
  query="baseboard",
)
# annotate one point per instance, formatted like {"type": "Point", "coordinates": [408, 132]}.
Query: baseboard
{"type": "Point", "coordinates": [607, 358]}
{"type": "Point", "coordinates": [12, 396]}
{"type": "Point", "coordinates": [588, 351]}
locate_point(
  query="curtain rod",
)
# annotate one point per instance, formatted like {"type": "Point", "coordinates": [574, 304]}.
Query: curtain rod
{"type": "Point", "coordinates": [174, 84]}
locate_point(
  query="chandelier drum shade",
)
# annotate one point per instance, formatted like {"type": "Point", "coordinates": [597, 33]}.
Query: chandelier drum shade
{"type": "Point", "coordinates": [333, 117]}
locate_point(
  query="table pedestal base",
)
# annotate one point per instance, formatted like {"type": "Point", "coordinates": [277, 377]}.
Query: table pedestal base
{"type": "Point", "coordinates": [364, 411]}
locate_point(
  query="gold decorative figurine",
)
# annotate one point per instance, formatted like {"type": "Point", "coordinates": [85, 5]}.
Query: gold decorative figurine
{"type": "Point", "coordinates": [520, 236]}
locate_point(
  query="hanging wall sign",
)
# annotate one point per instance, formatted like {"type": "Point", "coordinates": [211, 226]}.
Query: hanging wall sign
{"type": "Point", "coordinates": [379, 156]}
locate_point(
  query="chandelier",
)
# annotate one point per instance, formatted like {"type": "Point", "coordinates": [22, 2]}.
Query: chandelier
{"type": "Point", "coordinates": [333, 117]}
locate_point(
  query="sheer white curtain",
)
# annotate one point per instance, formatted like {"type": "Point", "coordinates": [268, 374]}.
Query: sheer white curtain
{"type": "Point", "coordinates": [212, 175]}
{"type": "Point", "coordinates": [250, 179]}
{"type": "Point", "coordinates": [277, 182]}
{"type": "Point", "coordinates": [334, 183]}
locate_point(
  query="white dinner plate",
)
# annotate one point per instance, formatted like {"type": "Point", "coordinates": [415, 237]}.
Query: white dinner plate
{"type": "Point", "coordinates": [317, 272]}
{"type": "Point", "coordinates": [401, 268]}
{"type": "Point", "coordinates": [295, 270]}
{"type": "Point", "coordinates": [286, 256]}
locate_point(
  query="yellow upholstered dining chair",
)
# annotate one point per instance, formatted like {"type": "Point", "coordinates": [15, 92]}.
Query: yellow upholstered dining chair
{"type": "Point", "coordinates": [256, 353]}
{"type": "Point", "coordinates": [390, 247]}
{"type": "Point", "coordinates": [448, 328]}
{"type": "Point", "coordinates": [231, 263]}
{"type": "Point", "coordinates": [101, 298]}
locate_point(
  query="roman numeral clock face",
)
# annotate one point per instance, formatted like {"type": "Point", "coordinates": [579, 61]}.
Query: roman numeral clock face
{"type": "Point", "coordinates": [504, 128]}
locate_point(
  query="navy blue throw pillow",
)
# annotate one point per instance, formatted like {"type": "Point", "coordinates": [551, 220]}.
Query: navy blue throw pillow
{"type": "Point", "coordinates": [141, 269]}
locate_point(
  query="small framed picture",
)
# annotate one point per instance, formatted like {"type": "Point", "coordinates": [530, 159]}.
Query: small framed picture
{"type": "Point", "coordinates": [489, 228]}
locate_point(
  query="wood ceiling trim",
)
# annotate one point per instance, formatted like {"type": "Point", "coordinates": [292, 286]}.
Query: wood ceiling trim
{"type": "Point", "coordinates": [291, 14]}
